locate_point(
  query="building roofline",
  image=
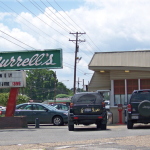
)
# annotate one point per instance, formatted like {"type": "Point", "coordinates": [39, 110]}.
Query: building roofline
{"type": "Point", "coordinates": [123, 51]}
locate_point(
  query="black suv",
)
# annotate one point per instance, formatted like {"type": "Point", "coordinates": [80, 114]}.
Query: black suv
{"type": "Point", "coordinates": [138, 109]}
{"type": "Point", "coordinates": [87, 108]}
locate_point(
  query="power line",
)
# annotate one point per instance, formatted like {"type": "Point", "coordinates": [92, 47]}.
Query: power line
{"type": "Point", "coordinates": [31, 24]}
{"type": "Point", "coordinates": [16, 39]}
{"type": "Point", "coordinates": [48, 16]}
{"type": "Point", "coordinates": [13, 42]}
{"type": "Point", "coordinates": [74, 22]}
{"type": "Point", "coordinates": [41, 19]}
{"type": "Point", "coordinates": [55, 14]}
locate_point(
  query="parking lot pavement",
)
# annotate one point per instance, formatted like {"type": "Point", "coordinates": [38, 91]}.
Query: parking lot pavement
{"type": "Point", "coordinates": [134, 140]}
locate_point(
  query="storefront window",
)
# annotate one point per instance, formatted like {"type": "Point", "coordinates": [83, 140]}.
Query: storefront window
{"type": "Point", "coordinates": [119, 91]}
{"type": "Point", "coordinates": [119, 99]}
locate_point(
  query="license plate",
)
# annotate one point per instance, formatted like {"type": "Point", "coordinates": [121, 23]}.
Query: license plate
{"type": "Point", "coordinates": [135, 117]}
{"type": "Point", "coordinates": [87, 109]}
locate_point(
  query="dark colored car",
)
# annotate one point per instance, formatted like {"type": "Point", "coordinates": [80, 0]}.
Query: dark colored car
{"type": "Point", "coordinates": [87, 108]}
{"type": "Point", "coordinates": [138, 108]}
{"type": "Point", "coordinates": [60, 106]}
{"type": "Point", "coordinates": [45, 113]}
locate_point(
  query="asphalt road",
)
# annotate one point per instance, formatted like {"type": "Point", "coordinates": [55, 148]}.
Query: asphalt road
{"type": "Point", "coordinates": [84, 137]}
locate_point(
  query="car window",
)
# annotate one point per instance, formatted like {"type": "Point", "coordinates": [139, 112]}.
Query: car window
{"type": "Point", "coordinates": [87, 99]}
{"type": "Point", "coordinates": [140, 96]}
{"type": "Point", "coordinates": [64, 107]}
{"type": "Point", "coordinates": [51, 107]}
{"type": "Point", "coordinates": [25, 107]}
{"type": "Point", "coordinates": [38, 107]}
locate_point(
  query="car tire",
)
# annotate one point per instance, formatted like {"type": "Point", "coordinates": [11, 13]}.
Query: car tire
{"type": "Point", "coordinates": [144, 108]}
{"type": "Point", "coordinates": [57, 121]}
{"type": "Point", "coordinates": [129, 124]}
{"type": "Point", "coordinates": [71, 127]}
{"type": "Point", "coordinates": [98, 124]}
{"type": "Point", "coordinates": [103, 126]}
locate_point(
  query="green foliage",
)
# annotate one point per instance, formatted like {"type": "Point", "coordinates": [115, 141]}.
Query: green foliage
{"type": "Point", "coordinates": [5, 96]}
{"type": "Point", "coordinates": [62, 96]}
{"type": "Point", "coordinates": [61, 89]}
{"type": "Point", "coordinates": [22, 99]}
{"type": "Point", "coordinates": [42, 84]}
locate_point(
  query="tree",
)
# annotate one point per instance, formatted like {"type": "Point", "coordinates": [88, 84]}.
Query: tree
{"type": "Point", "coordinates": [41, 84]}
{"type": "Point", "coordinates": [62, 96]}
{"type": "Point", "coordinates": [61, 88]}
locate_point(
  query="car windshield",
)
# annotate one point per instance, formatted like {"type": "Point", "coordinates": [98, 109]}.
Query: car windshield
{"type": "Point", "coordinates": [87, 99]}
{"type": "Point", "coordinates": [50, 107]}
{"type": "Point", "coordinates": [140, 96]}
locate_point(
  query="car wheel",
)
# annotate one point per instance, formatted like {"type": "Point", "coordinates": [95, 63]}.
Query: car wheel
{"type": "Point", "coordinates": [144, 108]}
{"type": "Point", "coordinates": [129, 124]}
{"type": "Point", "coordinates": [103, 126]}
{"type": "Point", "coordinates": [57, 121]}
{"type": "Point", "coordinates": [98, 125]}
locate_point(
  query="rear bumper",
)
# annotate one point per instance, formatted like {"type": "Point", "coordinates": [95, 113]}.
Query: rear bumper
{"type": "Point", "coordinates": [136, 118]}
{"type": "Point", "coordinates": [88, 119]}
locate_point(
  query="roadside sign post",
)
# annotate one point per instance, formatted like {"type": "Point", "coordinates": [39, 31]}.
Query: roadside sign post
{"type": "Point", "coordinates": [24, 60]}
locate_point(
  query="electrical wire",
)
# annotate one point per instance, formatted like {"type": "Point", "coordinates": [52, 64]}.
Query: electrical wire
{"type": "Point", "coordinates": [55, 14]}
{"type": "Point", "coordinates": [13, 42]}
{"type": "Point", "coordinates": [23, 43]}
{"type": "Point", "coordinates": [41, 19]}
{"type": "Point", "coordinates": [48, 16]}
{"type": "Point", "coordinates": [17, 40]}
{"type": "Point", "coordinates": [75, 23]}
{"type": "Point", "coordinates": [32, 25]}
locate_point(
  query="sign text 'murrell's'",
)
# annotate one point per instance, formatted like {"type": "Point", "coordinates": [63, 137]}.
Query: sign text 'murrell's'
{"type": "Point", "coordinates": [24, 60]}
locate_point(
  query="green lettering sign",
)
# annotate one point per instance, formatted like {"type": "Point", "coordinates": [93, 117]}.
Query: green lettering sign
{"type": "Point", "coordinates": [25, 60]}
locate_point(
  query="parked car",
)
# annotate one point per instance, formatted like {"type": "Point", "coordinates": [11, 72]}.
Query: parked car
{"type": "Point", "coordinates": [2, 108]}
{"type": "Point", "coordinates": [107, 104]}
{"type": "Point", "coordinates": [138, 108]}
{"type": "Point", "coordinates": [45, 113]}
{"type": "Point", "coordinates": [87, 108]}
{"type": "Point", "coordinates": [61, 106]}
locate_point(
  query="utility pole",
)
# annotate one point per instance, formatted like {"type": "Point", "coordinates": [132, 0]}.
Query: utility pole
{"type": "Point", "coordinates": [77, 41]}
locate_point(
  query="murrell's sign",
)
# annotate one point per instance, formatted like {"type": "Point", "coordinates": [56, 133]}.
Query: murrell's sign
{"type": "Point", "coordinates": [25, 60]}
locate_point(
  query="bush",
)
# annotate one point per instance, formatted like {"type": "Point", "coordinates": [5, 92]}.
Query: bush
{"type": "Point", "coordinates": [20, 99]}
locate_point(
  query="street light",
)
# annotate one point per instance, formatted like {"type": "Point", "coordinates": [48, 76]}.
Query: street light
{"type": "Point", "coordinates": [87, 73]}
{"type": "Point", "coordinates": [64, 80]}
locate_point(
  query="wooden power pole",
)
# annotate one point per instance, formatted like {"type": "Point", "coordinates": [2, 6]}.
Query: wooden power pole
{"type": "Point", "coordinates": [77, 41]}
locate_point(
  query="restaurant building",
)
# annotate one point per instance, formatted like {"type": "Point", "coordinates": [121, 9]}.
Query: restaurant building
{"type": "Point", "coordinates": [121, 72]}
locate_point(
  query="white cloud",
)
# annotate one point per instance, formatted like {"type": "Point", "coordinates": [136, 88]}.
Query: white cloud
{"type": "Point", "coordinates": [111, 25]}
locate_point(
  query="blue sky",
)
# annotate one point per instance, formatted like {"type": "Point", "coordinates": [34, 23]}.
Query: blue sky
{"type": "Point", "coordinates": [111, 25]}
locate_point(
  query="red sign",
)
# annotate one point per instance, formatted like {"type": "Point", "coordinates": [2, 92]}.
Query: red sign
{"type": "Point", "coordinates": [16, 83]}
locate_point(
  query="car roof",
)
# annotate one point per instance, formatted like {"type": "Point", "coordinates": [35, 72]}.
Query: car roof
{"type": "Point", "coordinates": [32, 103]}
{"type": "Point", "coordinates": [136, 91]}
{"type": "Point", "coordinates": [86, 92]}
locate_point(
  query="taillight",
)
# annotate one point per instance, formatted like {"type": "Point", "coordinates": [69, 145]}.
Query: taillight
{"type": "Point", "coordinates": [129, 107]}
{"type": "Point", "coordinates": [71, 105]}
{"type": "Point", "coordinates": [75, 118]}
{"type": "Point", "coordinates": [100, 117]}
{"type": "Point", "coordinates": [103, 104]}
{"type": "Point", "coordinates": [0, 112]}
